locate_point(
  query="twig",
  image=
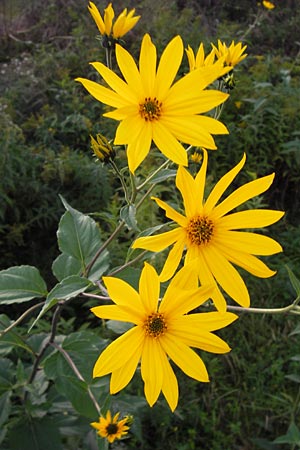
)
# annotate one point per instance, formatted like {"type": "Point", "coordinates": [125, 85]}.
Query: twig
{"type": "Point", "coordinates": [16, 322]}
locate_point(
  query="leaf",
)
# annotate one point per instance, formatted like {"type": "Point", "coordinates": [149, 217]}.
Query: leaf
{"type": "Point", "coordinates": [78, 235]}
{"type": "Point", "coordinates": [294, 280]}
{"type": "Point", "coordinates": [118, 327]}
{"type": "Point", "coordinates": [293, 377]}
{"type": "Point", "coordinates": [11, 339]}
{"type": "Point", "coordinates": [68, 288]}
{"type": "Point", "coordinates": [291, 437]}
{"type": "Point", "coordinates": [35, 434]}
{"type": "Point", "coordinates": [65, 265]}
{"type": "Point", "coordinates": [5, 407]}
{"type": "Point", "coordinates": [128, 214]}
{"type": "Point", "coordinates": [163, 175]}
{"type": "Point", "coordinates": [76, 391]}
{"type": "Point", "coordinates": [20, 284]}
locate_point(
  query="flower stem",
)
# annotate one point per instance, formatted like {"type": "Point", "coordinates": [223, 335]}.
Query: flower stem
{"type": "Point", "coordinates": [22, 317]}
{"type": "Point", "coordinates": [293, 308]}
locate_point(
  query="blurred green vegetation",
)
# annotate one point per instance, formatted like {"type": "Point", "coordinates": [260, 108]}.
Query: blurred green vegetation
{"type": "Point", "coordinates": [46, 120]}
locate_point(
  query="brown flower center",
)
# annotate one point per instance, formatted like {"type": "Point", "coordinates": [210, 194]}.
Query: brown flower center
{"type": "Point", "coordinates": [200, 230]}
{"type": "Point", "coordinates": [150, 109]}
{"type": "Point", "coordinates": [155, 325]}
{"type": "Point", "coordinates": [112, 428]}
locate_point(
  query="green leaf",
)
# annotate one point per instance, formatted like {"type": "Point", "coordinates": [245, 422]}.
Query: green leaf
{"type": "Point", "coordinates": [76, 391]}
{"type": "Point", "coordinates": [68, 288]}
{"type": "Point", "coordinates": [294, 280]}
{"type": "Point", "coordinates": [78, 235]}
{"type": "Point", "coordinates": [293, 377]}
{"type": "Point", "coordinates": [35, 434]}
{"type": "Point", "coordinates": [128, 214]}
{"type": "Point", "coordinates": [118, 327]}
{"type": "Point", "coordinates": [163, 175]}
{"type": "Point", "coordinates": [11, 339]}
{"type": "Point", "coordinates": [291, 437]}
{"type": "Point", "coordinates": [65, 266]}
{"type": "Point", "coordinates": [20, 284]}
{"type": "Point", "coordinates": [5, 407]}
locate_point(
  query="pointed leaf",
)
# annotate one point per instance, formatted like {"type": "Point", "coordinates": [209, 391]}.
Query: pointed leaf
{"type": "Point", "coordinates": [128, 214]}
{"type": "Point", "coordinates": [20, 284]}
{"type": "Point", "coordinates": [68, 288]}
{"type": "Point", "coordinates": [65, 266]}
{"type": "Point", "coordinates": [294, 281]}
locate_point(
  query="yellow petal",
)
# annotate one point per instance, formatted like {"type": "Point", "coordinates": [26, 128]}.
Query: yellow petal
{"type": "Point", "coordinates": [97, 17]}
{"type": "Point", "coordinates": [122, 293]}
{"type": "Point", "coordinates": [200, 102]}
{"type": "Point", "coordinates": [171, 213]}
{"type": "Point", "coordinates": [186, 185]}
{"type": "Point", "coordinates": [200, 182]}
{"type": "Point", "coordinates": [185, 358]}
{"type": "Point", "coordinates": [168, 144]}
{"type": "Point", "coordinates": [129, 129]}
{"type": "Point", "coordinates": [206, 278]}
{"type": "Point", "coordinates": [169, 385]}
{"type": "Point", "coordinates": [252, 218]}
{"type": "Point", "coordinates": [168, 67]}
{"type": "Point", "coordinates": [191, 336]}
{"type": "Point", "coordinates": [248, 262]}
{"type": "Point", "coordinates": [159, 242]}
{"type": "Point", "coordinates": [102, 94]}
{"type": "Point", "coordinates": [177, 302]}
{"type": "Point", "coordinates": [151, 369]}
{"type": "Point", "coordinates": [242, 194]}
{"type": "Point", "coordinates": [210, 321]}
{"type": "Point", "coordinates": [122, 376]}
{"type": "Point", "coordinates": [119, 352]}
{"type": "Point", "coordinates": [173, 260]}
{"type": "Point", "coordinates": [255, 244]}
{"type": "Point", "coordinates": [138, 149]}
{"type": "Point", "coordinates": [222, 185]}
{"type": "Point", "coordinates": [129, 70]}
{"type": "Point", "coordinates": [149, 288]}
{"type": "Point", "coordinates": [226, 275]}
{"type": "Point", "coordinates": [125, 313]}
{"type": "Point", "coordinates": [115, 82]}
{"type": "Point", "coordinates": [147, 65]}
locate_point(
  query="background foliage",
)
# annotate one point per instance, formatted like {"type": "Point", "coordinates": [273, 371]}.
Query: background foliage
{"type": "Point", "coordinates": [46, 120]}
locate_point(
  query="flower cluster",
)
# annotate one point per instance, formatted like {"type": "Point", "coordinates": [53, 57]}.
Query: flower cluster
{"type": "Point", "coordinates": [158, 109]}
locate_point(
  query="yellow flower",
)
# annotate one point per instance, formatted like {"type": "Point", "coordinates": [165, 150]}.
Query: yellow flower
{"type": "Point", "coordinates": [151, 108]}
{"type": "Point", "coordinates": [209, 233]}
{"type": "Point", "coordinates": [268, 5]}
{"type": "Point", "coordinates": [232, 55]}
{"type": "Point", "coordinates": [200, 60]}
{"type": "Point", "coordinates": [124, 23]}
{"type": "Point", "coordinates": [163, 331]}
{"type": "Point", "coordinates": [111, 428]}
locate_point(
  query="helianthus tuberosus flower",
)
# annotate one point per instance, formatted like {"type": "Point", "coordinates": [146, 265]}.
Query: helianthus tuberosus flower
{"type": "Point", "coordinates": [102, 148]}
{"type": "Point", "coordinates": [107, 26]}
{"type": "Point", "coordinates": [200, 60]}
{"type": "Point", "coordinates": [231, 55]}
{"type": "Point", "coordinates": [208, 231]}
{"type": "Point", "coordinates": [163, 331]}
{"type": "Point", "coordinates": [268, 5]}
{"type": "Point", "coordinates": [110, 427]}
{"type": "Point", "coordinates": [150, 107]}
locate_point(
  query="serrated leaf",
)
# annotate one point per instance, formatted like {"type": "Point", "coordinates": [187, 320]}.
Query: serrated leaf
{"type": "Point", "coordinates": [20, 284]}
{"type": "Point", "coordinates": [78, 235]}
{"type": "Point", "coordinates": [35, 434]}
{"type": "Point", "coordinates": [68, 288]}
{"type": "Point", "coordinates": [128, 214]}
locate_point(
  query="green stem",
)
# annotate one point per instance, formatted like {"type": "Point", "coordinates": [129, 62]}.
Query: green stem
{"type": "Point", "coordinates": [164, 165]}
{"type": "Point", "coordinates": [293, 308]}
{"type": "Point", "coordinates": [121, 178]}
{"type": "Point", "coordinates": [22, 317]}
{"type": "Point", "coordinates": [103, 247]}
{"type": "Point", "coordinates": [78, 374]}
{"type": "Point", "coordinates": [129, 263]}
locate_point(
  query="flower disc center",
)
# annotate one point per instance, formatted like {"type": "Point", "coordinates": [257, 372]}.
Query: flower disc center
{"type": "Point", "coordinates": [150, 109]}
{"type": "Point", "coordinates": [155, 325]}
{"type": "Point", "coordinates": [200, 230]}
{"type": "Point", "coordinates": [112, 428]}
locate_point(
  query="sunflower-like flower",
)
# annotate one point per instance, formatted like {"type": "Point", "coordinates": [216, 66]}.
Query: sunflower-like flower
{"type": "Point", "coordinates": [163, 331]}
{"type": "Point", "coordinates": [124, 23]}
{"type": "Point", "coordinates": [151, 108]}
{"type": "Point", "coordinates": [110, 427]}
{"type": "Point", "coordinates": [208, 231]}
{"type": "Point", "coordinates": [200, 60]}
{"type": "Point", "coordinates": [268, 5]}
{"type": "Point", "coordinates": [231, 55]}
